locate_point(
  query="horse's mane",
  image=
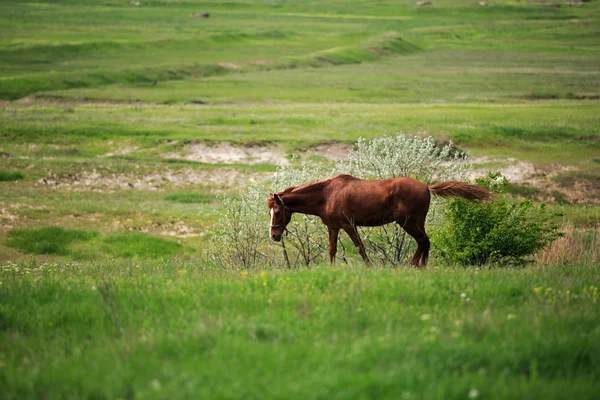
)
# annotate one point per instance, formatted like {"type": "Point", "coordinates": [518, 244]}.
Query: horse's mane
{"type": "Point", "coordinates": [291, 189]}
{"type": "Point", "coordinates": [271, 199]}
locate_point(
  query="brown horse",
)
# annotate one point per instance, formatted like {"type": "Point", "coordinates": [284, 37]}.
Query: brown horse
{"type": "Point", "coordinates": [345, 202]}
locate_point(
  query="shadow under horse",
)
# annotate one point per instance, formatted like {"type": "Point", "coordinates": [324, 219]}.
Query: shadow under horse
{"type": "Point", "coordinates": [345, 202]}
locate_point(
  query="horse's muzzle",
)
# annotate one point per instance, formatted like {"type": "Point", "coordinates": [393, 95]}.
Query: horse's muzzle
{"type": "Point", "coordinates": [276, 237]}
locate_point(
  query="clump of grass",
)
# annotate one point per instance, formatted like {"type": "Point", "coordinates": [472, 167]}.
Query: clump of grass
{"type": "Point", "coordinates": [22, 86]}
{"type": "Point", "coordinates": [202, 198]}
{"type": "Point", "coordinates": [49, 240]}
{"type": "Point", "coordinates": [543, 96]}
{"type": "Point", "coordinates": [569, 179]}
{"type": "Point", "coordinates": [559, 197]}
{"type": "Point", "coordinates": [7, 176]}
{"type": "Point", "coordinates": [525, 190]}
{"type": "Point", "coordinates": [133, 244]}
{"type": "Point", "coordinates": [576, 246]}
{"type": "Point", "coordinates": [370, 50]}
{"type": "Point", "coordinates": [542, 134]}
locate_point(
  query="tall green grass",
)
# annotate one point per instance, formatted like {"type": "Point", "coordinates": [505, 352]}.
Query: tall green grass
{"type": "Point", "coordinates": [7, 176]}
{"type": "Point", "coordinates": [174, 329]}
{"type": "Point", "coordinates": [135, 244]}
{"type": "Point", "coordinates": [190, 197]}
{"type": "Point", "coordinates": [49, 240]}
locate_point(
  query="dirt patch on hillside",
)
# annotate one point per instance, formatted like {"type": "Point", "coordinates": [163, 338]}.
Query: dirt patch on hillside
{"type": "Point", "coordinates": [228, 153]}
{"type": "Point", "coordinates": [120, 152]}
{"type": "Point", "coordinates": [261, 62]}
{"type": "Point", "coordinates": [516, 171]}
{"type": "Point", "coordinates": [331, 150]}
{"type": "Point", "coordinates": [175, 228]}
{"type": "Point", "coordinates": [228, 65]}
{"type": "Point", "coordinates": [9, 214]}
{"type": "Point", "coordinates": [254, 153]}
{"type": "Point", "coordinates": [7, 219]}
{"type": "Point", "coordinates": [579, 190]}
{"type": "Point", "coordinates": [217, 179]}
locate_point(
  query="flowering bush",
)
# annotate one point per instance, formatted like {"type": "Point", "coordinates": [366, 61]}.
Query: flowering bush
{"type": "Point", "coordinates": [241, 232]}
{"type": "Point", "coordinates": [405, 155]}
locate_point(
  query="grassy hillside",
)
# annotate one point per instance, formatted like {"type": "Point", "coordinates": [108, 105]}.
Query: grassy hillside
{"type": "Point", "coordinates": [56, 45]}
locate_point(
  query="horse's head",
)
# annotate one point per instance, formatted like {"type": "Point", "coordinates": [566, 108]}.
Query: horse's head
{"type": "Point", "coordinates": [280, 214]}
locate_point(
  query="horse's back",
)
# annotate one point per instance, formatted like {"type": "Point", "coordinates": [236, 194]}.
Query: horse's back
{"type": "Point", "coordinates": [375, 202]}
{"type": "Point", "coordinates": [403, 186]}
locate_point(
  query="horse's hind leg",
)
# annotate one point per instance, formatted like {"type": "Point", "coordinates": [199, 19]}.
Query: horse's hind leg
{"type": "Point", "coordinates": [353, 233]}
{"type": "Point", "coordinates": [333, 238]}
{"type": "Point", "coordinates": [425, 249]}
{"type": "Point", "coordinates": [416, 229]}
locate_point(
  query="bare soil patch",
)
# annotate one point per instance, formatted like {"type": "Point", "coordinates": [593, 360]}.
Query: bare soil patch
{"type": "Point", "coordinates": [517, 171]}
{"type": "Point", "coordinates": [261, 62]}
{"type": "Point", "coordinates": [9, 214]}
{"type": "Point", "coordinates": [579, 191]}
{"type": "Point", "coordinates": [253, 153]}
{"type": "Point", "coordinates": [331, 150]}
{"type": "Point", "coordinates": [228, 153]}
{"type": "Point", "coordinates": [175, 228]}
{"type": "Point", "coordinates": [228, 65]}
{"type": "Point", "coordinates": [120, 152]}
{"type": "Point", "coordinates": [217, 179]}
{"type": "Point", "coordinates": [7, 219]}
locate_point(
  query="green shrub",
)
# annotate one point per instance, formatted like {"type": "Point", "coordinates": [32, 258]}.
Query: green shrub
{"type": "Point", "coordinates": [6, 176]}
{"type": "Point", "coordinates": [500, 231]}
{"type": "Point", "coordinates": [50, 240]}
{"type": "Point", "coordinates": [139, 244]}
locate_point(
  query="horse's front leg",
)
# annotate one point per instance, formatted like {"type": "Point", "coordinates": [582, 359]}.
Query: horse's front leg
{"type": "Point", "coordinates": [333, 239]}
{"type": "Point", "coordinates": [353, 233]}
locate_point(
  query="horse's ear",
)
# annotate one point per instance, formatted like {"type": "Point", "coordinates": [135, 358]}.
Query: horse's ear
{"type": "Point", "coordinates": [277, 199]}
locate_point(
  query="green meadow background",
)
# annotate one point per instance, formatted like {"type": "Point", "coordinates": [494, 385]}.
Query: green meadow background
{"type": "Point", "coordinates": [107, 289]}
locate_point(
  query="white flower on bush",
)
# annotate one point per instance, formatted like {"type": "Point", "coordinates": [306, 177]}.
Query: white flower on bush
{"type": "Point", "coordinates": [406, 155]}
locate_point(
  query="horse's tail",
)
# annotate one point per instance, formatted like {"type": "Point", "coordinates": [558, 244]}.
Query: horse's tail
{"type": "Point", "coordinates": [459, 189]}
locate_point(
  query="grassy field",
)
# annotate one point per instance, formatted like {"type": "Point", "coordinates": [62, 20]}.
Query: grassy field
{"type": "Point", "coordinates": [176, 330]}
{"type": "Point", "coordinates": [108, 199]}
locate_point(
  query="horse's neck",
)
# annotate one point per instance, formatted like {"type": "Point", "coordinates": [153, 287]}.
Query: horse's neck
{"type": "Point", "coordinates": [309, 199]}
